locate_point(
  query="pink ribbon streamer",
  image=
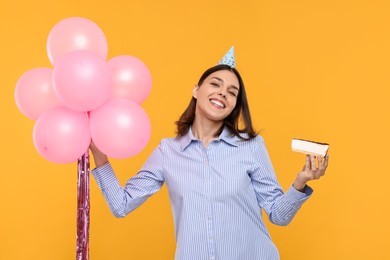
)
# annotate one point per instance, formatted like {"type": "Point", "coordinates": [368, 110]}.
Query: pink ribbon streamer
{"type": "Point", "coordinates": [83, 207]}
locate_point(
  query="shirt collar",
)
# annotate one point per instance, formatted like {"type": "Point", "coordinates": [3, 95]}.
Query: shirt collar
{"type": "Point", "coordinates": [225, 136]}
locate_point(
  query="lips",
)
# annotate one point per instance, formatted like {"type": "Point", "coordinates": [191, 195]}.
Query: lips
{"type": "Point", "coordinates": [217, 103]}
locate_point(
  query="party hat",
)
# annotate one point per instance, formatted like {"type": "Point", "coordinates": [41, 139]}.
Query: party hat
{"type": "Point", "coordinates": [228, 59]}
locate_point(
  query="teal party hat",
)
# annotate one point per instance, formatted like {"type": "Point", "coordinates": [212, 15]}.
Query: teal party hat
{"type": "Point", "coordinates": [228, 59]}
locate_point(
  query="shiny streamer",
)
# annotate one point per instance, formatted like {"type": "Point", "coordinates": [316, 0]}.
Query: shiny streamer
{"type": "Point", "coordinates": [82, 244]}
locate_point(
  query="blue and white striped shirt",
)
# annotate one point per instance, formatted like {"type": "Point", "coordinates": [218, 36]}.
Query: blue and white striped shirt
{"type": "Point", "coordinates": [216, 194]}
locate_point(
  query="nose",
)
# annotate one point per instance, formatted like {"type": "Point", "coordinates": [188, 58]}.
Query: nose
{"type": "Point", "coordinates": [222, 94]}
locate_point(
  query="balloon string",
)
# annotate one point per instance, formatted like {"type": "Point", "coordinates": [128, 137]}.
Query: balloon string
{"type": "Point", "coordinates": [83, 207]}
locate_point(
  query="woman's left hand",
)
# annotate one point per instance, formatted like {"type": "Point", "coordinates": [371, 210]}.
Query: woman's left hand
{"type": "Point", "coordinates": [311, 171]}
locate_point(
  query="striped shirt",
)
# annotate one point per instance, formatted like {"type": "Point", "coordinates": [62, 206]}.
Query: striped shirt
{"type": "Point", "coordinates": [215, 192]}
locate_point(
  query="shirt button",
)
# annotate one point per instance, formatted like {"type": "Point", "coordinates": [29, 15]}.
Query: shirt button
{"type": "Point", "coordinates": [212, 258]}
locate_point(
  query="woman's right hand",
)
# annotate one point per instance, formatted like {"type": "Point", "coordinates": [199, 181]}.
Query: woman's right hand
{"type": "Point", "coordinates": [99, 157]}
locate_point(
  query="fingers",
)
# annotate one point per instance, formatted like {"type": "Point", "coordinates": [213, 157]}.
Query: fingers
{"type": "Point", "coordinates": [326, 161]}
{"type": "Point", "coordinates": [323, 163]}
{"type": "Point", "coordinates": [313, 162]}
{"type": "Point", "coordinates": [320, 162]}
{"type": "Point", "coordinates": [307, 163]}
{"type": "Point", "coordinates": [315, 166]}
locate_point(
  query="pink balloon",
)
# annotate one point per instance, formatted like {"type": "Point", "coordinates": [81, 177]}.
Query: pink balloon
{"type": "Point", "coordinates": [62, 135]}
{"type": "Point", "coordinates": [34, 93]}
{"type": "Point", "coordinates": [131, 78]}
{"type": "Point", "coordinates": [75, 33]}
{"type": "Point", "coordinates": [120, 128]}
{"type": "Point", "coordinates": [82, 80]}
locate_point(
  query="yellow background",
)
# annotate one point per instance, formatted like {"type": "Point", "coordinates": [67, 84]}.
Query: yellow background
{"type": "Point", "coordinates": [313, 69]}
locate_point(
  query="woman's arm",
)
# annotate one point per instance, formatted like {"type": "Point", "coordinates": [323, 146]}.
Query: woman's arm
{"type": "Point", "coordinates": [123, 200]}
{"type": "Point", "coordinates": [281, 207]}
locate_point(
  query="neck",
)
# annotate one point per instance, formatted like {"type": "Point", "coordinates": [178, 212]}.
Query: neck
{"type": "Point", "coordinates": [205, 131]}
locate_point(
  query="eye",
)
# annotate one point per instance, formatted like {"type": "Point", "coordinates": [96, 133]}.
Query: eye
{"type": "Point", "coordinates": [214, 84]}
{"type": "Point", "coordinates": [233, 94]}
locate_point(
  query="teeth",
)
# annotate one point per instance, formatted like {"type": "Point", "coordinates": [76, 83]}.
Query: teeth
{"type": "Point", "coordinates": [216, 102]}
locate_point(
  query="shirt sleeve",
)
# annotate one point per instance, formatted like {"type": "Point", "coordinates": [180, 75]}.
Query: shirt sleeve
{"type": "Point", "coordinates": [123, 200]}
{"type": "Point", "coordinates": [281, 207]}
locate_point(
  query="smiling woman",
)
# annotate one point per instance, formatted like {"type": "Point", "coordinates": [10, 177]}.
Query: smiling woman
{"type": "Point", "coordinates": [226, 91]}
{"type": "Point", "coordinates": [218, 176]}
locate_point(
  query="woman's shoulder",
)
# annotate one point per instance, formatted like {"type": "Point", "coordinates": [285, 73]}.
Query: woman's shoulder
{"type": "Point", "coordinates": [245, 138]}
{"type": "Point", "coordinates": [170, 142]}
{"type": "Point", "coordinates": [255, 144]}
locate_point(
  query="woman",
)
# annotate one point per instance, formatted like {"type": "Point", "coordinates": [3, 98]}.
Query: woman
{"type": "Point", "coordinates": [218, 176]}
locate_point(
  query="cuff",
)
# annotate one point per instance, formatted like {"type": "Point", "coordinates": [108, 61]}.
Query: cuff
{"type": "Point", "coordinates": [104, 175]}
{"type": "Point", "coordinates": [295, 195]}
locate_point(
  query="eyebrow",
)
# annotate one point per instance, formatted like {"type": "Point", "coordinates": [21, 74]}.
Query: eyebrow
{"type": "Point", "coordinates": [221, 80]}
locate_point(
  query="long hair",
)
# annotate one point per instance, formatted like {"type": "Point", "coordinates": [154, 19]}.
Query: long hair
{"type": "Point", "coordinates": [240, 111]}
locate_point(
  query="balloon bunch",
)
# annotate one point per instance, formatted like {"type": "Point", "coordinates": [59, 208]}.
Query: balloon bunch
{"type": "Point", "coordinates": [85, 97]}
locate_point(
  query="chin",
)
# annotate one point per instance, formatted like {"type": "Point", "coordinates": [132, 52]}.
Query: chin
{"type": "Point", "coordinates": [217, 119]}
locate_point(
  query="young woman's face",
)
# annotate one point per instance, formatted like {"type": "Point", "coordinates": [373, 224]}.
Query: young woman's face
{"type": "Point", "coordinates": [217, 96]}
